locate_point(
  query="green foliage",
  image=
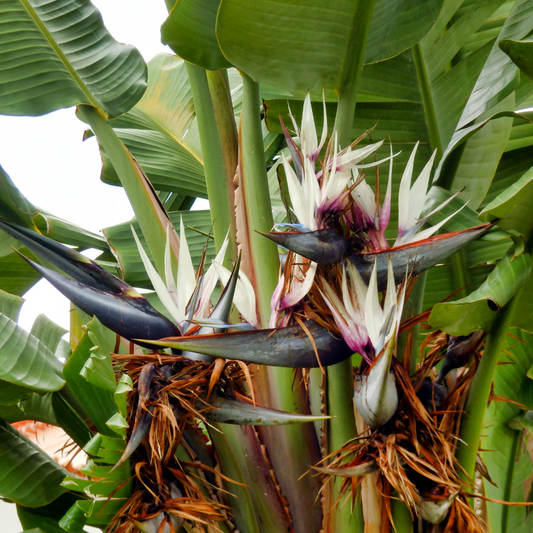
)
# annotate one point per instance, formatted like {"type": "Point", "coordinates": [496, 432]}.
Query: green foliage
{"type": "Point", "coordinates": [451, 75]}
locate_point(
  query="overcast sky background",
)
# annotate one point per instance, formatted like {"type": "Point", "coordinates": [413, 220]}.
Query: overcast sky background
{"type": "Point", "coordinates": [57, 171]}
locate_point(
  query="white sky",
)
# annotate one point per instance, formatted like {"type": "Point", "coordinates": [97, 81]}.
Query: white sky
{"type": "Point", "coordinates": [54, 169]}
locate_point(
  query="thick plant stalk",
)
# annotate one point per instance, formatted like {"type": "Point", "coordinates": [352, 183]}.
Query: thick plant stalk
{"type": "Point", "coordinates": [401, 517]}
{"type": "Point", "coordinates": [413, 307]}
{"type": "Point", "coordinates": [218, 137]}
{"type": "Point", "coordinates": [255, 504]}
{"type": "Point", "coordinates": [476, 403]}
{"type": "Point", "coordinates": [427, 99]}
{"type": "Point", "coordinates": [292, 450]}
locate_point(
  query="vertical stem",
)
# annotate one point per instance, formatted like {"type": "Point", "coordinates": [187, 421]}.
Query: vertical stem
{"type": "Point", "coordinates": [351, 76]}
{"type": "Point", "coordinates": [476, 403]}
{"type": "Point", "coordinates": [413, 307]}
{"type": "Point", "coordinates": [150, 215]}
{"type": "Point", "coordinates": [293, 449]}
{"type": "Point", "coordinates": [218, 137]}
{"type": "Point", "coordinates": [427, 100]}
{"type": "Point", "coordinates": [401, 517]}
{"type": "Point", "coordinates": [511, 457]}
{"type": "Point", "coordinates": [263, 252]}
{"type": "Point", "coordinates": [460, 272]}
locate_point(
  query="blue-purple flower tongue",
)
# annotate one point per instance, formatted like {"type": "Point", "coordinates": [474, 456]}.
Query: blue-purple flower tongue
{"type": "Point", "coordinates": [324, 246]}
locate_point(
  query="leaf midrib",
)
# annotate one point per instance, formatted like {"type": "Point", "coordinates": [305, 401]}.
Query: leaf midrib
{"type": "Point", "coordinates": [62, 57]}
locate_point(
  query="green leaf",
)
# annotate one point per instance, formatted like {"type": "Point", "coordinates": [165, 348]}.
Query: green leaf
{"type": "Point", "coordinates": [26, 360]}
{"type": "Point", "coordinates": [14, 206]}
{"type": "Point", "coordinates": [46, 516]}
{"type": "Point", "coordinates": [28, 475]}
{"type": "Point", "coordinates": [523, 317]}
{"type": "Point", "coordinates": [479, 309]}
{"type": "Point", "coordinates": [513, 206]}
{"type": "Point", "coordinates": [304, 45]}
{"type": "Point", "coordinates": [162, 133]}
{"type": "Point", "coordinates": [499, 75]}
{"type": "Point", "coordinates": [190, 31]}
{"type": "Point", "coordinates": [481, 156]}
{"type": "Point", "coordinates": [68, 233]}
{"type": "Point", "coordinates": [521, 54]}
{"type": "Point", "coordinates": [60, 55]}
{"type": "Point", "coordinates": [107, 494]}
{"type": "Point", "coordinates": [48, 332]}
{"type": "Point", "coordinates": [98, 402]}
{"type": "Point", "coordinates": [398, 25]}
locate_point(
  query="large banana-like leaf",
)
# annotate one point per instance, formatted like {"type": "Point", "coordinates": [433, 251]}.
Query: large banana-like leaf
{"type": "Point", "coordinates": [161, 131]}
{"type": "Point", "coordinates": [513, 206]}
{"type": "Point", "coordinates": [98, 402]}
{"type": "Point", "coordinates": [28, 475]}
{"type": "Point", "coordinates": [293, 55]}
{"type": "Point", "coordinates": [499, 75]}
{"type": "Point", "coordinates": [60, 55]}
{"type": "Point", "coordinates": [108, 491]}
{"type": "Point", "coordinates": [16, 276]}
{"type": "Point", "coordinates": [25, 360]}
{"type": "Point", "coordinates": [190, 32]}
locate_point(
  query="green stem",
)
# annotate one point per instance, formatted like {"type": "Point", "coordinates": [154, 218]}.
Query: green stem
{"type": "Point", "coordinates": [341, 428]}
{"type": "Point", "coordinates": [401, 517]}
{"type": "Point", "coordinates": [263, 253]}
{"type": "Point", "coordinates": [352, 69]}
{"type": "Point", "coordinates": [511, 457]}
{"type": "Point", "coordinates": [460, 273]}
{"type": "Point", "coordinates": [413, 307]}
{"type": "Point", "coordinates": [476, 403]}
{"type": "Point", "coordinates": [218, 137]}
{"type": "Point", "coordinates": [427, 100]}
{"type": "Point", "coordinates": [151, 216]}
{"type": "Point", "coordinates": [255, 503]}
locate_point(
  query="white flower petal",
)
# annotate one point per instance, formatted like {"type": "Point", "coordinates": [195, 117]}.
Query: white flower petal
{"type": "Point", "coordinates": [169, 275]}
{"type": "Point", "coordinates": [186, 278]}
{"type": "Point", "coordinates": [404, 194]}
{"type": "Point", "coordinates": [425, 234]}
{"type": "Point", "coordinates": [373, 311]}
{"type": "Point", "coordinates": [301, 288]}
{"type": "Point", "coordinates": [308, 138]}
{"type": "Point", "coordinates": [160, 288]}
{"type": "Point", "coordinates": [417, 196]}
